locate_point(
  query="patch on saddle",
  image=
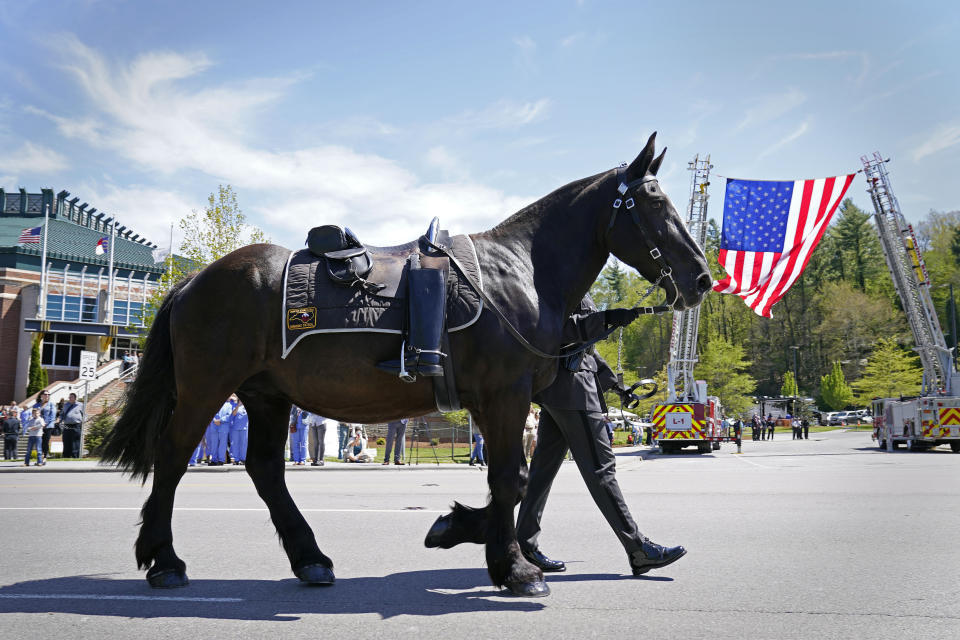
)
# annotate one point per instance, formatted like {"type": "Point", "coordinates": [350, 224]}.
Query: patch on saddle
{"type": "Point", "coordinates": [312, 303]}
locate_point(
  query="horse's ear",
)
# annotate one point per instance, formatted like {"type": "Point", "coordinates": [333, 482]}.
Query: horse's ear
{"type": "Point", "coordinates": [639, 166]}
{"type": "Point", "coordinates": [655, 165]}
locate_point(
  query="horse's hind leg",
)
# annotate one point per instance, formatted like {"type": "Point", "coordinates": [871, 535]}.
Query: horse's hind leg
{"type": "Point", "coordinates": [154, 547]}
{"type": "Point", "coordinates": [267, 435]}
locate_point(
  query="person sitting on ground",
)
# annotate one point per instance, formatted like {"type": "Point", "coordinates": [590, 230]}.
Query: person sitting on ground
{"type": "Point", "coordinates": [34, 430]}
{"type": "Point", "coordinates": [355, 447]}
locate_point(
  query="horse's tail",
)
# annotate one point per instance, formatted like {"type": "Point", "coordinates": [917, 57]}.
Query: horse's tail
{"type": "Point", "coordinates": [149, 401]}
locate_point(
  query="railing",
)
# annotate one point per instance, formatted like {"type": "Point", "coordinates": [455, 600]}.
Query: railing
{"type": "Point", "coordinates": [106, 374]}
{"type": "Point", "coordinates": [81, 297]}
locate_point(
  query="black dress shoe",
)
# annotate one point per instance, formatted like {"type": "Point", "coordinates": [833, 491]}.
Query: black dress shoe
{"type": "Point", "coordinates": [537, 559]}
{"type": "Point", "coordinates": [653, 556]}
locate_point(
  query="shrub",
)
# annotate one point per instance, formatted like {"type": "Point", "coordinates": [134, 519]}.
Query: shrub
{"type": "Point", "coordinates": [100, 426]}
{"type": "Point", "coordinates": [381, 441]}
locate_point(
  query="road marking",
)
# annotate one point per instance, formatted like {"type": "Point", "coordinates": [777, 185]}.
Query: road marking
{"type": "Point", "coordinates": [100, 596]}
{"type": "Point", "coordinates": [257, 509]}
{"type": "Point", "coordinates": [756, 464]}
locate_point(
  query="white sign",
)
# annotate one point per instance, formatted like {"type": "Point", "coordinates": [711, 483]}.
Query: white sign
{"type": "Point", "coordinates": [88, 365]}
{"type": "Point", "coordinates": [679, 421]}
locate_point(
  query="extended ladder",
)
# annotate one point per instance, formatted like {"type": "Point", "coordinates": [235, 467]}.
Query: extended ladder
{"type": "Point", "coordinates": [683, 339]}
{"type": "Point", "coordinates": [909, 273]}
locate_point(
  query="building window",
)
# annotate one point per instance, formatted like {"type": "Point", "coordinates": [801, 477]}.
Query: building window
{"type": "Point", "coordinates": [62, 349]}
{"type": "Point", "coordinates": [71, 308]}
{"type": "Point", "coordinates": [121, 346]}
{"type": "Point", "coordinates": [127, 314]}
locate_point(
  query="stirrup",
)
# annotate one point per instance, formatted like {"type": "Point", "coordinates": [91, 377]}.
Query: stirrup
{"type": "Point", "coordinates": [404, 375]}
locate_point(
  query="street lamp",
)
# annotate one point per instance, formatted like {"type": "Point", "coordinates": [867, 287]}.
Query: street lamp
{"type": "Point", "coordinates": [796, 381]}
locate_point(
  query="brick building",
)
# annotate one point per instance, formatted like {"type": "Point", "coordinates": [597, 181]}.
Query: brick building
{"type": "Point", "coordinates": [80, 311]}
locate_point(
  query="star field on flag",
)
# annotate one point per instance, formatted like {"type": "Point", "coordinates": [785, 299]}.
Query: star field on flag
{"type": "Point", "coordinates": [770, 230]}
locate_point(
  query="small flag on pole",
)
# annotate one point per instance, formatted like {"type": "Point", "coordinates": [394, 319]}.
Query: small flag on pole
{"type": "Point", "coordinates": [770, 230]}
{"type": "Point", "coordinates": [103, 245]}
{"type": "Point", "coordinates": [159, 254]}
{"type": "Point", "coordinates": [30, 236]}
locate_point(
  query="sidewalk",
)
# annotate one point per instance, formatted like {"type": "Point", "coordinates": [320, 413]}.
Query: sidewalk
{"type": "Point", "coordinates": [626, 456]}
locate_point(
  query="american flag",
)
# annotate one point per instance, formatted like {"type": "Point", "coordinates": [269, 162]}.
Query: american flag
{"type": "Point", "coordinates": [30, 236]}
{"type": "Point", "coordinates": [770, 230]}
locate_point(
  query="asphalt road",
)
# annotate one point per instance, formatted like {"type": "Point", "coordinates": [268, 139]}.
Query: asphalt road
{"type": "Point", "coordinates": [826, 538]}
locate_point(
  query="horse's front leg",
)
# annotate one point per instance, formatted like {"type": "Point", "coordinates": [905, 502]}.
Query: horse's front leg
{"type": "Point", "coordinates": [502, 422]}
{"type": "Point", "coordinates": [264, 464]}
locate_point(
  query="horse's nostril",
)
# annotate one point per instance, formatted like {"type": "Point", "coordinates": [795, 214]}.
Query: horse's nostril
{"type": "Point", "coordinates": [704, 282]}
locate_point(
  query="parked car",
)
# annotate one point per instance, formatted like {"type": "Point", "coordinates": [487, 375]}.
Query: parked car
{"type": "Point", "coordinates": [841, 418]}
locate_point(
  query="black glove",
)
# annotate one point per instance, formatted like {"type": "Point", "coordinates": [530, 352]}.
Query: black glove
{"type": "Point", "coordinates": [620, 317]}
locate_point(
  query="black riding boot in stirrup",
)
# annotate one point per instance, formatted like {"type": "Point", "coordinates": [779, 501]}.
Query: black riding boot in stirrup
{"type": "Point", "coordinates": [427, 303]}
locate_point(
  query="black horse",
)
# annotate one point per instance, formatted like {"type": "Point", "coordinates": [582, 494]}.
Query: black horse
{"type": "Point", "coordinates": [217, 332]}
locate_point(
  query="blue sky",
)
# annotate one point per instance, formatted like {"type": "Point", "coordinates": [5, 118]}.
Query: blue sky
{"type": "Point", "coordinates": [379, 116]}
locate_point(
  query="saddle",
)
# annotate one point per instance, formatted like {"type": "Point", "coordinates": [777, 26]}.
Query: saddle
{"type": "Point", "coordinates": [339, 284]}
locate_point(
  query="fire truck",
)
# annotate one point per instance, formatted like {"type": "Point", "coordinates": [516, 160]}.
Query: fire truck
{"type": "Point", "coordinates": [689, 417]}
{"type": "Point", "coordinates": [690, 421]}
{"type": "Point", "coordinates": [933, 418]}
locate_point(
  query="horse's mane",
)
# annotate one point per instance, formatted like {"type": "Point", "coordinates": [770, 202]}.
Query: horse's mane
{"type": "Point", "coordinates": [533, 212]}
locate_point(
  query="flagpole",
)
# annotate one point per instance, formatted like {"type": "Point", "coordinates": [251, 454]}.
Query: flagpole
{"type": "Point", "coordinates": [42, 304]}
{"type": "Point", "coordinates": [170, 258]}
{"type": "Point", "coordinates": [113, 230]}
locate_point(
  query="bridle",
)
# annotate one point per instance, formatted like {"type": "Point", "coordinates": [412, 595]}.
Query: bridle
{"type": "Point", "coordinates": [626, 200]}
{"type": "Point", "coordinates": [629, 204]}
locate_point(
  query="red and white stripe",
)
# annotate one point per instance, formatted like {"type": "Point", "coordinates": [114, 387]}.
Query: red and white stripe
{"type": "Point", "coordinates": [762, 278]}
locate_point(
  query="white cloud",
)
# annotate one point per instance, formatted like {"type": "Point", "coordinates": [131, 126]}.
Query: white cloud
{"type": "Point", "coordinates": [526, 52]}
{"type": "Point", "coordinates": [32, 158]}
{"type": "Point", "coordinates": [142, 111]}
{"type": "Point", "coordinates": [944, 137]}
{"type": "Point", "coordinates": [771, 107]}
{"type": "Point", "coordinates": [148, 211]}
{"type": "Point", "coordinates": [503, 114]}
{"type": "Point", "coordinates": [790, 137]}
{"type": "Point", "coordinates": [450, 166]}
{"type": "Point", "coordinates": [861, 56]}
{"type": "Point", "coordinates": [571, 40]}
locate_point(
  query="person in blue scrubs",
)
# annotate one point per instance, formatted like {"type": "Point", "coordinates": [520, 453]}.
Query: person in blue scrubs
{"type": "Point", "coordinates": [238, 433]}
{"type": "Point", "coordinates": [298, 436]}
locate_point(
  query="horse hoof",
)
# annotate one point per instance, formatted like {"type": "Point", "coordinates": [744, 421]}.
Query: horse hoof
{"type": "Point", "coordinates": [315, 574]}
{"type": "Point", "coordinates": [440, 533]}
{"type": "Point", "coordinates": [537, 589]}
{"type": "Point", "coordinates": [168, 579]}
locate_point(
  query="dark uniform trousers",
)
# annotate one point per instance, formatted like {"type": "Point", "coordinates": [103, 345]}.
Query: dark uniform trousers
{"type": "Point", "coordinates": [572, 417]}
{"type": "Point", "coordinates": [585, 434]}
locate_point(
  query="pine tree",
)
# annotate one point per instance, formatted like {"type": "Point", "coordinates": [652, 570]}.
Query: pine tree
{"type": "Point", "coordinates": [834, 389]}
{"type": "Point", "coordinates": [37, 378]}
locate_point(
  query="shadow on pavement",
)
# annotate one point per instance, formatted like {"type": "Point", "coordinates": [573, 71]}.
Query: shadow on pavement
{"type": "Point", "coordinates": [592, 577]}
{"type": "Point", "coordinates": [413, 593]}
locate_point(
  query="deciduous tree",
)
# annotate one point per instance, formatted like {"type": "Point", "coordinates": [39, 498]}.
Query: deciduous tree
{"type": "Point", "coordinates": [890, 372]}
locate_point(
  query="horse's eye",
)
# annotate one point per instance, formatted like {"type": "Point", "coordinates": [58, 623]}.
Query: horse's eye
{"type": "Point", "coordinates": [657, 204]}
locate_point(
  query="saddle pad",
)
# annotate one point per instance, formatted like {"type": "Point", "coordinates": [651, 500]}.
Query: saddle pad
{"type": "Point", "coordinates": [313, 304]}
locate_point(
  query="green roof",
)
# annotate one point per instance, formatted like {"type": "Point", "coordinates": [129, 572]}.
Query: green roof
{"type": "Point", "coordinates": [68, 239]}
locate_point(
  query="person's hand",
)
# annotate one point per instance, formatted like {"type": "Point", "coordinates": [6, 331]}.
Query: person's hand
{"type": "Point", "coordinates": [620, 317]}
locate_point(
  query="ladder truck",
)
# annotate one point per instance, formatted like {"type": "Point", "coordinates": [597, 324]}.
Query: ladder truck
{"type": "Point", "coordinates": [689, 417]}
{"type": "Point", "coordinates": [932, 418]}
